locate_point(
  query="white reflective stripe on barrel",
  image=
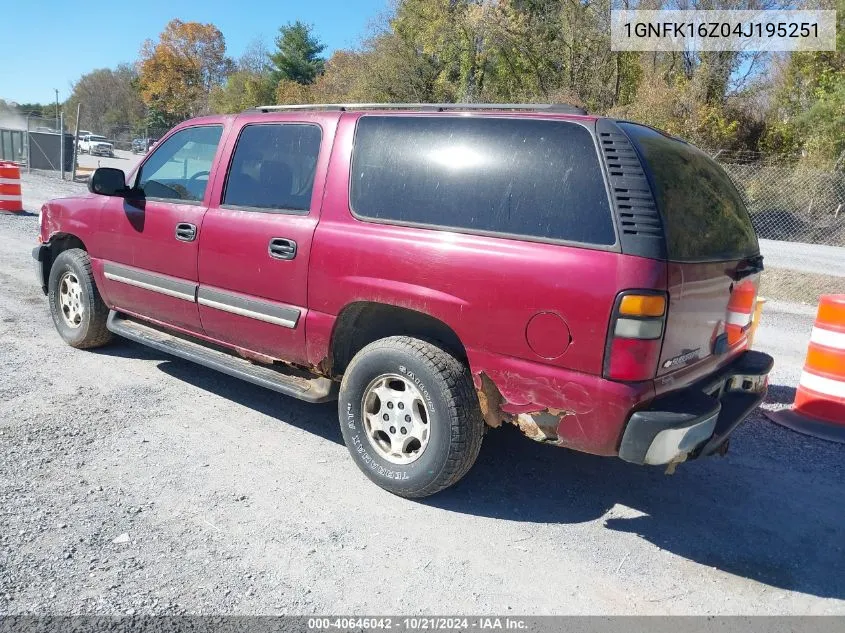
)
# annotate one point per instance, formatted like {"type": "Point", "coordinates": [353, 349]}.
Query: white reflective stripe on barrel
{"type": "Point", "coordinates": [820, 384]}
{"type": "Point", "coordinates": [828, 338]}
{"type": "Point", "coordinates": [15, 198]}
{"type": "Point", "coordinates": [739, 318]}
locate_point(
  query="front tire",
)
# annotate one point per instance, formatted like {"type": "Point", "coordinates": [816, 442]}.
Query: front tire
{"type": "Point", "coordinates": [76, 306]}
{"type": "Point", "coordinates": [410, 416]}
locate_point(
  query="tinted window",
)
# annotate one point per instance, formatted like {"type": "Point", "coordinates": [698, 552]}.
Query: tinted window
{"type": "Point", "coordinates": [517, 176]}
{"type": "Point", "coordinates": [273, 167]}
{"type": "Point", "coordinates": [178, 169]}
{"type": "Point", "coordinates": [704, 215]}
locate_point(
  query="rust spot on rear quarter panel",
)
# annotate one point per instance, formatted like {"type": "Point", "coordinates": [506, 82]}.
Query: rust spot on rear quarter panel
{"type": "Point", "coordinates": [579, 412]}
{"type": "Point", "coordinates": [540, 425]}
{"type": "Point", "coordinates": [491, 402]}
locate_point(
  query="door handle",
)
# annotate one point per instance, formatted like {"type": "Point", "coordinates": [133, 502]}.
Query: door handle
{"type": "Point", "coordinates": [282, 248]}
{"type": "Point", "coordinates": [186, 232]}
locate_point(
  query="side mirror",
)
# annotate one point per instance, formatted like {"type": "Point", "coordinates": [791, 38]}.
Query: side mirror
{"type": "Point", "coordinates": [108, 181]}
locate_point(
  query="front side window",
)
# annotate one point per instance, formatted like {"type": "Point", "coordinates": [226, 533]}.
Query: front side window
{"type": "Point", "coordinates": [273, 167]}
{"type": "Point", "coordinates": [523, 177]}
{"type": "Point", "coordinates": [179, 168]}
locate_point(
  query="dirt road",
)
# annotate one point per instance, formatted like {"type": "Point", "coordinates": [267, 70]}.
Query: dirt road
{"type": "Point", "coordinates": [131, 482]}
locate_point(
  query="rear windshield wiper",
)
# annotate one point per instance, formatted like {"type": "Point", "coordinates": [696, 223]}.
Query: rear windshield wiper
{"type": "Point", "coordinates": [747, 267]}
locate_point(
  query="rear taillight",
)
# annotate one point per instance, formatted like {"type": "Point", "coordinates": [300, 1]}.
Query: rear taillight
{"type": "Point", "coordinates": [635, 336]}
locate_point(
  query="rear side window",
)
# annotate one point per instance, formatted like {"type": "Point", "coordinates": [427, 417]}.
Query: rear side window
{"type": "Point", "coordinates": [521, 177]}
{"type": "Point", "coordinates": [273, 167]}
{"type": "Point", "coordinates": [703, 213]}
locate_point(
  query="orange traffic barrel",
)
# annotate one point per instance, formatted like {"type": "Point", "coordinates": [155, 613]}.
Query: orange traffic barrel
{"type": "Point", "coordinates": [10, 187]}
{"type": "Point", "coordinates": [755, 320]}
{"type": "Point", "coordinates": [819, 408]}
{"type": "Point", "coordinates": [740, 311]}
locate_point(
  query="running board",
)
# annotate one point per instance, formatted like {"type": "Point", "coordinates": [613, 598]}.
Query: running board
{"type": "Point", "coordinates": [316, 389]}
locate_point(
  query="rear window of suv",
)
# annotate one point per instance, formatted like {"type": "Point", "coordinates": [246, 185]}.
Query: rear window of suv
{"type": "Point", "coordinates": [703, 213]}
{"type": "Point", "coordinates": [539, 179]}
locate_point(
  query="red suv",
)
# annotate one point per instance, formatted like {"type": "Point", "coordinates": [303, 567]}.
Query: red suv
{"type": "Point", "coordinates": [439, 270]}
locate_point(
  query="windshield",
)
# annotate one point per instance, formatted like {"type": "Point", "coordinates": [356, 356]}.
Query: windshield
{"type": "Point", "coordinates": [97, 138]}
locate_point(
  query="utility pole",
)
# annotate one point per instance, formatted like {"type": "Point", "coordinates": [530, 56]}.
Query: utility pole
{"type": "Point", "coordinates": [62, 144]}
{"type": "Point", "coordinates": [28, 146]}
{"type": "Point", "coordinates": [76, 142]}
{"type": "Point", "coordinates": [57, 108]}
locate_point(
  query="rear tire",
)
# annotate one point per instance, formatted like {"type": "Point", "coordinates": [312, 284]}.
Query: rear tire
{"type": "Point", "coordinates": [76, 306]}
{"type": "Point", "coordinates": [410, 416]}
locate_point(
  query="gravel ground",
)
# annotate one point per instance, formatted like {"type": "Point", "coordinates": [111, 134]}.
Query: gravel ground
{"type": "Point", "coordinates": [131, 482]}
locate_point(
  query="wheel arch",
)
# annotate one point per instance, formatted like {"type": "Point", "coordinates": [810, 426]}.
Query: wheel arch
{"type": "Point", "coordinates": [59, 242]}
{"type": "Point", "coordinates": [360, 323]}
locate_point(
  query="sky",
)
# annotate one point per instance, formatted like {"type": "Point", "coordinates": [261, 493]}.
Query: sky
{"type": "Point", "coordinates": [52, 43]}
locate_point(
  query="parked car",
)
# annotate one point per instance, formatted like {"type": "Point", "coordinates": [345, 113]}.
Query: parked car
{"type": "Point", "coordinates": [439, 270]}
{"type": "Point", "coordinates": [142, 145]}
{"type": "Point", "coordinates": [95, 145]}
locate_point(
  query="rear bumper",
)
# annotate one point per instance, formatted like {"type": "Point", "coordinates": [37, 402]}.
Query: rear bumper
{"type": "Point", "coordinates": [697, 421]}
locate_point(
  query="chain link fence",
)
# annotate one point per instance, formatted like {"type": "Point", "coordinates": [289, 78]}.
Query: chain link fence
{"type": "Point", "coordinates": [42, 143]}
{"type": "Point", "coordinates": [36, 143]}
{"type": "Point", "coordinates": [798, 211]}
{"type": "Point", "coordinates": [788, 200]}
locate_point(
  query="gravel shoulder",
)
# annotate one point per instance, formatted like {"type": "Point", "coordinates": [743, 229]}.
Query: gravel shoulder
{"type": "Point", "coordinates": [131, 482]}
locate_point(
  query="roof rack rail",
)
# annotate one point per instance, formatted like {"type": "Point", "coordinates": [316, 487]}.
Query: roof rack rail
{"type": "Point", "coordinates": [435, 107]}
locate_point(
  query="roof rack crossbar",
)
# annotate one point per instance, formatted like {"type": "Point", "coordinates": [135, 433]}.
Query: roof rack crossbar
{"type": "Point", "coordinates": [437, 107]}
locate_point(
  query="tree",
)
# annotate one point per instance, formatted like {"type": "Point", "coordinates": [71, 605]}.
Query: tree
{"type": "Point", "coordinates": [808, 113]}
{"type": "Point", "coordinates": [394, 70]}
{"type": "Point", "coordinates": [255, 58]}
{"type": "Point", "coordinates": [291, 92]}
{"type": "Point", "coordinates": [678, 105]}
{"type": "Point", "coordinates": [178, 73]}
{"type": "Point", "coordinates": [109, 99]}
{"type": "Point", "coordinates": [297, 57]}
{"type": "Point", "coordinates": [243, 89]}
{"type": "Point", "coordinates": [519, 50]}
{"type": "Point", "coordinates": [250, 84]}
{"type": "Point", "coordinates": [37, 109]}
{"type": "Point", "coordinates": [344, 79]}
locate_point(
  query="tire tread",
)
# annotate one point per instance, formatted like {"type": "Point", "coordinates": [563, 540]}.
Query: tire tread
{"type": "Point", "coordinates": [466, 422]}
{"type": "Point", "coordinates": [98, 334]}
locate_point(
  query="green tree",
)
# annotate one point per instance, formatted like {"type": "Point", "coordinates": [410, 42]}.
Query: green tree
{"type": "Point", "coordinates": [297, 57]}
{"type": "Point", "coordinates": [109, 99]}
{"type": "Point", "coordinates": [519, 50]}
{"type": "Point", "coordinates": [37, 109]}
{"type": "Point", "coordinates": [250, 84]}
{"type": "Point", "coordinates": [243, 90]}
{"type": "Point", "coordinates": [809, 107]}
